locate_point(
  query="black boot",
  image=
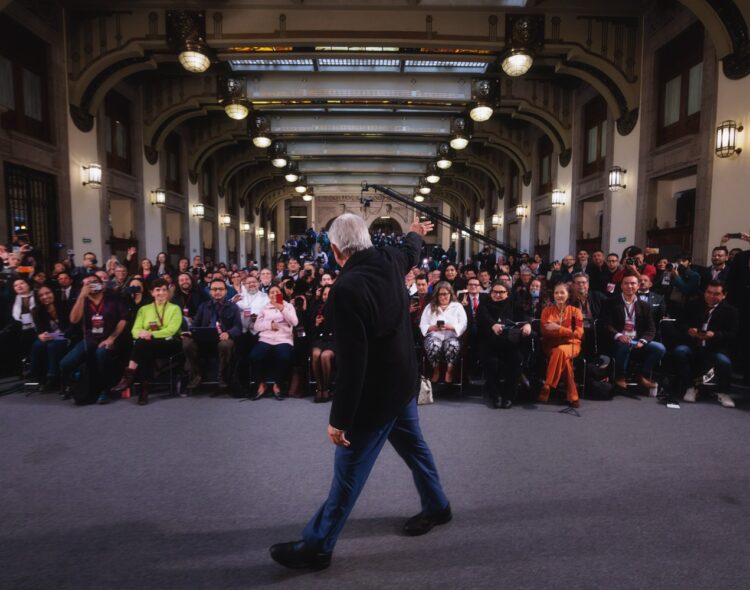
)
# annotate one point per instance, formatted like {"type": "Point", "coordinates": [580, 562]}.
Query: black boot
{"type": "Point", "coordinates": [128, 376]}
{"type": "Point", "coordinates": [143, 395]}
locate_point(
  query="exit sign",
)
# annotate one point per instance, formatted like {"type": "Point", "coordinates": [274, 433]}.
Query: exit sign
{"type": "Point", "coordinates": [622, 239]}
{"type": "Point", "coordinates": [86, 240]}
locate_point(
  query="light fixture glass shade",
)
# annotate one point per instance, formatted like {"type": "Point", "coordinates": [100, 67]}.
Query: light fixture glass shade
{"type": "Point", "coordinates": [454, 236]}
{"type": "Point", "coordinates": [433, 173]}
{"type": "Point", "coordinates": [517, 62]}
{"type": "Point", "coordinates": [199, 210]}
{"type": "Point", "coordinates": [301, 186]}
{"type": "Point", "coordinates": [521, 211]}
{"type": "Point", "coordinates": [307, 197]}
{"type": "Point", "coordinates": [419, 198]}
{"type": "Point", "coordinates": [481, 112]}
{"type": "Point", "coordinates": [432, 178]}
{"type": "Point", "coordinates": [726, 139]}
{"type": "Point", "coordinates": [444, 163]}
{"type": "Point", "coordinates": [159, 197]}
{"type": "Point", "coordinates": [459, 142]}
{"type": "Point", "coordinates": [261, 141]}
{"type": "Point", "coordinates": [260, 232]}
{"type": "Point", "coordinates": [194, 59]}
{"type": "Point", "coordinates": [236, 109]}
{"type": "Point", "coordinates": [496, 220]}
{"type": "Point", "coordinates": [292, 172]}
{"type": "Point", "coordinates": [225, 219]}
{"type": "Point", "coordinates": [479, 227]}
{"type": "Point", "coordinates": [278, 154]}
{"type": "Point", "coordinates": [444, 156]}
{"type": "Point", "coordinates": [464, 234]}
{"type": "Point", "coordinates": [425, 190]}
{"type": "Point", "coordinates": [245, 226]}
{"type": "Point", "coordinates": [279, 162]}
{"type": "Point", "coordinates": [271, 236]}
{"type": "Point", "coordinates": [291, 177]}
{"type": "Point", "coordinates": [91, 175]}
{"type": "Point", "coordinates": [616, 178]}
{"type": "Point", "coordinates": [558, 197]}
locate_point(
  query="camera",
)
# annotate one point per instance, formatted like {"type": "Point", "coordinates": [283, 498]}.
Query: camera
{"type": "Point", "coordinates": [630, 261]}
{"type": "Point", "coordinates": [670, 266]}
{"type": "Point", "coordinates": [96, 287]}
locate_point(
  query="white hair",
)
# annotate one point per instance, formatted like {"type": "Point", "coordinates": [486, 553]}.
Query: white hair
{"type": "Point", "coordinates": [350, 234]}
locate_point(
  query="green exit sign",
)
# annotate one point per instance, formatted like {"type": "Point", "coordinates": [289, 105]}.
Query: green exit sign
{"type": "Point", "coordinates": [622, 239]}
{"type": "Point", "coordinates": [86, 240]}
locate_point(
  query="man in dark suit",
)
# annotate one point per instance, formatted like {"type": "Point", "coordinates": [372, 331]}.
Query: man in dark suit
{"type": "Point", "coordinates": [629, 327]}
{"type": "Point", "coordinates": [377, 379]}
{"type": "Point", "coordinates": [471, 300]}
{"type": "Point", "coordinates": [710, 327]}
{"type": "Point", "coordinates": [590, 303]}
{"type": "Point", "coordinates": [719, 269]}
{"type": "Point", "coordinates": [655, 301]}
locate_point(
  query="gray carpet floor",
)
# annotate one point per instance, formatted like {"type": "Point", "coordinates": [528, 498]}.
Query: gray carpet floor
{"type": "Point", "coordinates": [189, 493]}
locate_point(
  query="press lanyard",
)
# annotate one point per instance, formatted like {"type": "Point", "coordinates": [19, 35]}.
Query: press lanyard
{"type": "Point", "coordinates": [96, 308]}
{"type": "Point", "coordinates": [629, 311]}
{"type": "Point", "coordinates": [160, 316]}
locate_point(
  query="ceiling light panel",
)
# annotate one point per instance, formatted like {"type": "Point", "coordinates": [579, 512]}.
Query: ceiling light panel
{"type": "Point", "coordinates": [350, 124]}
{"type": "Point", "coordinates": [305, 65]}
{"type": "Point", "coordinates": [357, 149]}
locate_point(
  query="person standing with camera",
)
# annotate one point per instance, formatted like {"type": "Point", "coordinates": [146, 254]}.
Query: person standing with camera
{"type": "Point", "coordinates": [685, 286]}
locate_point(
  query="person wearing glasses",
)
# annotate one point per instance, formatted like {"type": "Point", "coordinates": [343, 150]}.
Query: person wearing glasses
{"type": "Point", "coordinates": [154, 336]}
{"type": "Point", "coordinates": [442, 324]}
{"type": "Point", "coordinates": [562, 331]}
{"type": "Point", "coordinates": [502, 325]}
{"type": "Point", "coordinates": [216, 325]}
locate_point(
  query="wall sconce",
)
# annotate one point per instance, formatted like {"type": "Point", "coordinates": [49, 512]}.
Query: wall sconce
{"type": "Point", "coordinates": [159, 197]}
{"type": "Point", "coordinates": [444, 156]}
{"type": "Point", "coordinates": [481, 94]}
{"type": "Point", "coordinates": [245, 226]}
{"type": "Point", "coordinates": [521, 211]}
{"type": "Point", "coordinates": [278, 154]}
{"type": "Point", "coordinates": [91, 175]}
{"type": "Point", "coordinates": [464, 234]}
{"type": "Point", "coordinates": [726, 139]}
{"type": "Point", "coordinates": [225, 219]}
{"type": "Point", "coordinates": [199, 210]}
{"type": "Point", "coordinates": [479, 227]}
{"type": "Point", "coordinates": [497, 220]}
{"type": "Point", "coordinates": [616, 178]}
{"type": "Point", "coordinates": [292, 172]}
{"type": "Point", "coordinates": [271, 236]}
{"type": "Point", "coordinates": [259, 129]}
{"type": "Point", "coordinates": [558, 197]}
{"type": "Point", "coordinates": [454, 236]}
{"type": "Point", "coordinates": [260, 232]}
{"type": "Point", "coordinates": [460, 134]}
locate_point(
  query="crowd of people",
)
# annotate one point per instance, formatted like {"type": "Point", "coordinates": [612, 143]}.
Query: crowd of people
{"type": "Point", "coordinates": [520, 325]}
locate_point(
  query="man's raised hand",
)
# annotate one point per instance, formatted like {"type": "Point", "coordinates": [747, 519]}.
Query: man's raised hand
{"type": "Point", "coordinates": [421, 227]}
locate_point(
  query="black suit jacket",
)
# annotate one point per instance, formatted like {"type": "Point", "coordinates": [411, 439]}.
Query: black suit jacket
{"type": "Point", "coordinates": [657, 303]}
{"type": "Point", "coordinates": [738, 281]}
{"type": "Point", "coordinates": [613, 319]}
{"type": "Point", "coordinates": [724, 323]}
{"type": "Point", "coordinates": [707, 275]}
{"type": "Point", "coordinates": [369, 312]}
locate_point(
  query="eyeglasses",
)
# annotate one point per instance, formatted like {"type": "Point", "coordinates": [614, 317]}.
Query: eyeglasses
{"type": "Point", "coordinates": [499, 292]}
{"type": "Point", "coordinates": [217, 289]}
{"type": "Point", "coordinates": [444, 294]}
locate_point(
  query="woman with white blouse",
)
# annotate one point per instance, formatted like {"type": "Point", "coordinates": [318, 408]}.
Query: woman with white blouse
{"type": "Point", "coordinates": [442, 324]}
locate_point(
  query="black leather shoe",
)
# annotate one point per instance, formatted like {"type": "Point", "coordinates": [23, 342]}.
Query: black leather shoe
{"type": "Point", "coordinates": [423, 523]}
{"type": "Point", "coordinates": [297, 555]}
{"type": "Point", "coordinates": [493, 403]}
{"type": "Point", "coordinates": [506, 404]}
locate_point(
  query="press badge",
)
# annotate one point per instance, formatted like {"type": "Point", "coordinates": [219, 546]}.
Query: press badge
{"type": "Point", "coordinates": [26, 320]}
{"type": "Point", "coordinates": [629, 329]}
{"type": "Point", "coordinates": [610, 287]}
{"type": "Point", "coordinates": [153, 326]}
{"type": "Point", "coordinates": [97, 324]}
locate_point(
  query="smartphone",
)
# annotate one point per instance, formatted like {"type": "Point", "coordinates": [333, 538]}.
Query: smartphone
{"type": "Point", "coordinates": [734, 236]}
{"type": "Point", "coordinates": [440, 323]}
{"type": "Point", "coordinates": [279, 298]}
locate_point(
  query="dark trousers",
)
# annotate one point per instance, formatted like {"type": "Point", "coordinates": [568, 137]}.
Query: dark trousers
{"type": "Point", "coordinates": [145, 352]}
{"type": "Point", "coordinates": [260, 360]}
{"type": "Point", "coordinates": [352, 466]}
{"type": "Point", "coordinates": [503, 361]}
{"type": "Point", "coordinates": [224, 348]}
{"type": "Point", "coordinates": [99, 361]}
{"type": "Point", "coordinates": [650, 355]}
{"type": "Point", "coordinates": [688, 361]}
{"type": "Point", "coordinates": [244, 345]}
{"type": "Point", "coordinates": [46, 357]}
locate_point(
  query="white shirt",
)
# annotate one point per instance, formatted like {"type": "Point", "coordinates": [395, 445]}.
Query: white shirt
{"type": "Point", "coordinates": [453, 315]}
{"type": "Point", "coordinates": [253, 304]}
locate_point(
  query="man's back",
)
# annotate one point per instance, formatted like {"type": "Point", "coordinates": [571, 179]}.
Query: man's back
{"type": "Point", "coordinates": [369, 308]}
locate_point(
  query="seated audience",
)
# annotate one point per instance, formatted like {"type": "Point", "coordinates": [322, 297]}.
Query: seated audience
{"type": "Point", "coordinates": [499, 337]}
{"type": "Point", "coordinates": [275, 348]}
{"type": "Point", "coordinates": [710, 327]}
{"type": "Point", "coordinates": [188, 296]}
{"type": "Point", "coordinates": [442, 324]}
{"type": "Point", "coordinates": [103, 317]}
{"type": "Point", "coordinates": [655, 301]}
{"type": "Point", "coordinates": [154, 335]}
{"type": "Point", "coordinates": [52, 339]}
{"type": "Point", "coordinates": [23, 305]}
{"type": "Point", "coordinates": [216, 326]}
{"type": "Point", "coordinates": [629, 325]}
{"type": "Point", "coordinates": [562, 331]}
{"type": "Point", "coordinates": [590, 303]}
{"type": "Point", "coordinates": [322, 350]}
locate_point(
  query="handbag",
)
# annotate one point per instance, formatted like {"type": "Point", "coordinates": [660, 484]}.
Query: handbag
{"type": "Point", "coordinates": [425, 392]}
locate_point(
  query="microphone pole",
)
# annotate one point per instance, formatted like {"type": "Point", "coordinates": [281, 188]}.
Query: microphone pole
{"type": "Point", "coordinates": [396, 196]}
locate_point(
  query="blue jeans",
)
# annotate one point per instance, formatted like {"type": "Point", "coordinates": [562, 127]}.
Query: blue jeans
{"type": "Point", "coordinates": [282, 362]}
{"type": "Point", "coordinates": [352, 466]}
{"type": "Point", "coordinates": [688, 361]}
{"type": "Point", "coordinates": [54, 350]}
{"type": "Point", "coordinates": [98, 360]}
{"type": "Point", "coordinates": [650, 354]}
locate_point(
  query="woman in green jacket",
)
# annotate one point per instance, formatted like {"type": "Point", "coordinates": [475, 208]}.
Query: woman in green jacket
{"type": "Point", "coordinates": [155, 335]}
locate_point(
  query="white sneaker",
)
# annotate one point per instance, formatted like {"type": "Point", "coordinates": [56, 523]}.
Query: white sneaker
{"type": "Point", "coordinates": [725, 400]}
{"type": "Point", "coordinates": [690, 395]}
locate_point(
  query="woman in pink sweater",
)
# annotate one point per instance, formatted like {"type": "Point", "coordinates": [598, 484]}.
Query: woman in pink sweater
{"type": "Point", "coordinates": [275, 346]}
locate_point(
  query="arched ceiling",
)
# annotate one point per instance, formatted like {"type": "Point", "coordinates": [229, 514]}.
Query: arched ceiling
{"type": "Point", "coordinates": [368, 90]}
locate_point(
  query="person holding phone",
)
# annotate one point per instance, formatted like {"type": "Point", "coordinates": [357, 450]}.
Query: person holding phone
{"type": "Point", "coordinates": [275, 348]}
{"type": "Point", "coordinates": [442, 325]}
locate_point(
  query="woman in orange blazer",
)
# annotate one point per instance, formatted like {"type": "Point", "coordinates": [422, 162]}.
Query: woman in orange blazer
{"type": "Point", "coordinates": [561, 344]}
